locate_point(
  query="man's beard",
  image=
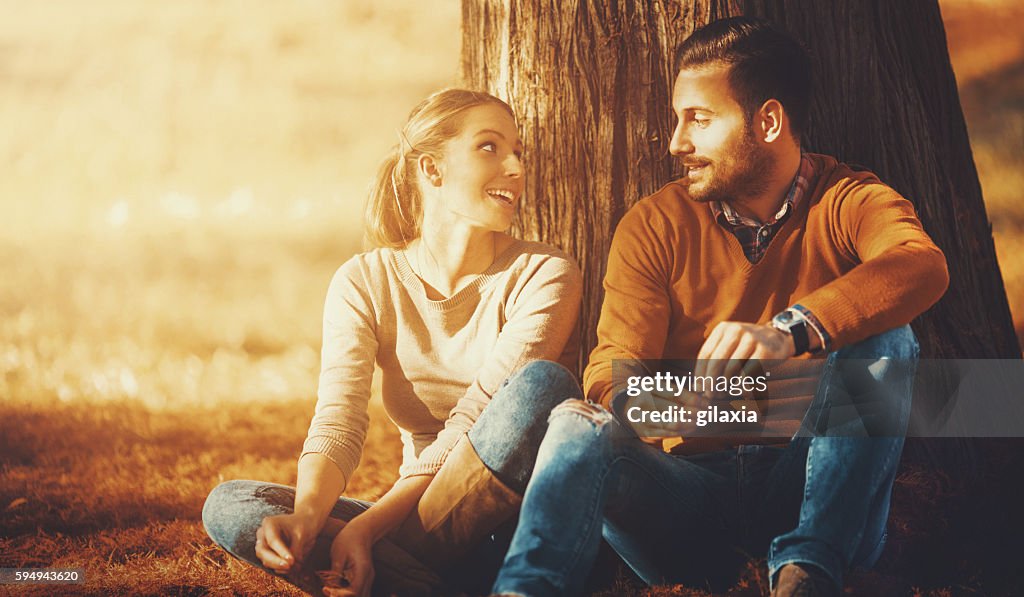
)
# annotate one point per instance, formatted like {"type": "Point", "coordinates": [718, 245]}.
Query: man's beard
{"type": "Point", "coordinates": [742, 175]}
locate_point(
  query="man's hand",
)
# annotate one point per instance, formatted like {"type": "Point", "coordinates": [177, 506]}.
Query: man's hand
{"type": "Point", "coordinates": [283, 540]}
{"type": "Point", "coordinates": [732, 345]}
{"type": "Point", "coordinates": [352, 559]}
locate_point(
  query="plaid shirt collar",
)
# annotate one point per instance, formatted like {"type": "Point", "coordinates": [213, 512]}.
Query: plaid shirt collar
{"type": "Point", "coordinates": [725, 215]}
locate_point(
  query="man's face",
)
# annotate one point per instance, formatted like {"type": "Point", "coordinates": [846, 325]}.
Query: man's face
{"type": "Point", "coordinates": [723, 160]}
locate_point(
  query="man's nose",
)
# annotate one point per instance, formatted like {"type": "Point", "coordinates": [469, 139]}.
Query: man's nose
{"type": "Point", "coordinates": [680, 143]}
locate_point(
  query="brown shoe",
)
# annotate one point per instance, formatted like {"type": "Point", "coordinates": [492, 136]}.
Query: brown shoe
{"type": "Point", "coordinates": [804, 580]}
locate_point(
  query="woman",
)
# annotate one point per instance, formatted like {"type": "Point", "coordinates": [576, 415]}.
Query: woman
{"type": "Point", "coordinates": [448, 307]}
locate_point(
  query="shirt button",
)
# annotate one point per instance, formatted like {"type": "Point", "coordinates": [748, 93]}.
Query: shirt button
{"type": "Point", "coordinates": [764, 233]}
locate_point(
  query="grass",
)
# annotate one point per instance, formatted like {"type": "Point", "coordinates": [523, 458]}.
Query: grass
{"type": "Point", "coordinates": [135, 381]}
{"type": "Point", "coordinates": [183, 183]}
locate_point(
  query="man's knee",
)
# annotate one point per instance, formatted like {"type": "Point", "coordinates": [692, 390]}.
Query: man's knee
{"type": "Point", "coordinates": [578, 433]}
{"type": "Point", "coordinates": [897, 343]}
{"type": "Point", "coordinates": [578, 419]}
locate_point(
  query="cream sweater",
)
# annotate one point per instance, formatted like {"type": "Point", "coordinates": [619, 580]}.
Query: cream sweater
{"type": "Point", "coordinates": [441, 361]}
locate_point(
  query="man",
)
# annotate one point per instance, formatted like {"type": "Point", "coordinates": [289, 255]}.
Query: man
{"type": "Point", "coordinates": [759, 252]}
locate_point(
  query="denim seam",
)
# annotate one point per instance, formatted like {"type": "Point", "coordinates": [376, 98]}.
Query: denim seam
{"type": "Point", "coordinates": [592, 502]}
{"type": "Point", "coordinates": [592, 519]}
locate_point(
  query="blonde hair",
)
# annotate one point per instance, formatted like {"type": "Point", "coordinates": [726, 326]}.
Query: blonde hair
{"type": "Point", "coordinates": [394, 211]}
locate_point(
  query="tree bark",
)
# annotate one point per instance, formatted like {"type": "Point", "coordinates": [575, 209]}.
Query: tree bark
{"type": "Point", "coordinates": [591, 83]}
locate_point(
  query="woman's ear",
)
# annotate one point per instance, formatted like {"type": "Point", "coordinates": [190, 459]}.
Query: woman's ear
{"type": "Point", "coordinates": [430, 169]}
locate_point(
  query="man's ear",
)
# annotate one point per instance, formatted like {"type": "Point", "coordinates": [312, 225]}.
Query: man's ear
{"type": "Point", "coordinates": [430, 169]}
{"type": "Point", "coordinates": [769, 121]}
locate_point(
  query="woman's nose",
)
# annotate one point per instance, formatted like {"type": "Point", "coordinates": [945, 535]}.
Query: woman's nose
{"type": "Point", "coordinates": [513, 166]}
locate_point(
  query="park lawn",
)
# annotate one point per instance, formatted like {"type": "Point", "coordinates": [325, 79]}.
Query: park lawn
{"type": "Point", "coordinates": [117, 489]}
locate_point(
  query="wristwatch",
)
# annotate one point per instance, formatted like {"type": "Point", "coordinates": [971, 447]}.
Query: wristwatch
{"type": "Point", "coordinates": [792, 322]}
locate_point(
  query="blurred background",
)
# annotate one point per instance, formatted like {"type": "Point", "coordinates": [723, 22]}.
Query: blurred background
{"type": "Point", "coordinates": [179, 181]}
{"type": "Point", "coordinates": [182, 178]}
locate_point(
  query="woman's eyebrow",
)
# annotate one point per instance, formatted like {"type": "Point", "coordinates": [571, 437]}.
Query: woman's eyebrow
{"type": "Point", "coordinates": [489, 131]}
{"type": "Point", "coordinates": [519, 142]}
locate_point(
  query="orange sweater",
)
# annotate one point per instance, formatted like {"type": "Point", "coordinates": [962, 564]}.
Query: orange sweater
{"type": "Point", "coordinates": [853, 253]}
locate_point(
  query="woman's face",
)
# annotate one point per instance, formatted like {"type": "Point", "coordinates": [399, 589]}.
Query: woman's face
{"type": "Point", "coordinates": [482, 169]}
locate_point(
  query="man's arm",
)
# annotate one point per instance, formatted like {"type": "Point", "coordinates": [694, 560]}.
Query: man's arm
{"type": "Point", "coordinates": [902, 273]}
{"type": "Point", "coordinates": [636, 311]}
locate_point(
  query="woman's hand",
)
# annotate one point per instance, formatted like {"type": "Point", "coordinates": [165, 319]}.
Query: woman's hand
{"type": "Point", "coordinates": [352, 559]}
{"type": "Point", "coordinates": [283, 540]}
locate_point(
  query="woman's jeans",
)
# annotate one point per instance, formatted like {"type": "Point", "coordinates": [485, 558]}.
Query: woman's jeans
{"type": "Point", "coordinates": [477, 489]}
{"type": "Point", "coordinates": [823, 500]}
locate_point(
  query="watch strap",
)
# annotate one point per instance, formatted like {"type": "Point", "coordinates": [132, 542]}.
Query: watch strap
{"type": "Point", "coordinates": [801, 342]}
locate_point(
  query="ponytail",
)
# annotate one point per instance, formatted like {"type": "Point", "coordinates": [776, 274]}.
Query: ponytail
{"type": "Point", "coordinates": [394, 210]}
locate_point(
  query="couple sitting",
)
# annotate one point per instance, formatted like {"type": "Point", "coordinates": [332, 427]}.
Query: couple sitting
{"type": "Point", "coordinates": [760, 251]}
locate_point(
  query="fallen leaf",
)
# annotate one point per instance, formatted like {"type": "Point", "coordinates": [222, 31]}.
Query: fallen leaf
{"type": "Point", "coordinates": [18, 502]}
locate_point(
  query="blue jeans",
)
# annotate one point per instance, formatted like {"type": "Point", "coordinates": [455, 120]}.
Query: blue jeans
{"type": "Point", "coordinates": [822, 500]}
{"type": "Point", "coordinates": [419, 557]}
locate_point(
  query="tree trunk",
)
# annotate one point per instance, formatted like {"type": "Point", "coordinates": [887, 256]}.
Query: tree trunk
{"type": "Point", "coordinates": [591, 84]}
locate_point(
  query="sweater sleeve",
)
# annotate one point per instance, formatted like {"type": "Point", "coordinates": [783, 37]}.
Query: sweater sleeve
{"type": "Point", "coordinates": [339, 425]}
{"type": "Point", "coordinates": [636, 309]}
{"type": "Point", "coordinates": [901, 272]}
{"type": "Point", "coordinates": [541, 318]}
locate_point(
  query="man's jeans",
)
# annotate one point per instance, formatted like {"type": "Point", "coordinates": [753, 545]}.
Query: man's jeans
{"type": "Point", "coordinates": [451, 534]}
{"type": "Point", "coordinates": [823, 500]}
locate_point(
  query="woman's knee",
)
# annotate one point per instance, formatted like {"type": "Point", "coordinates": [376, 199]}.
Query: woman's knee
{"type": "Point", "coordinates": [520, 408]}
{"type": "Point", "coordinates": [509, 431]}
{"type": "Point", "coordinates": [535, 389]}
{"type": "Point", "coordinates": [231, 515]}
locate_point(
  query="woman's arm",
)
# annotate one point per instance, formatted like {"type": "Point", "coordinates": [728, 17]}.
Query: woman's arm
{"type": "Point", "coordinates": [283, 540]}
{"type": "Point", "coordinates": [392, 508]}
{"type": "Point", "coordinates": [352, 549]}
{"type": "Point", "coordinates": [541, 313]}
{"type": "Point", "coordinates": [335, 439]}
{"type": "Point", "coordinates": [319, 484]}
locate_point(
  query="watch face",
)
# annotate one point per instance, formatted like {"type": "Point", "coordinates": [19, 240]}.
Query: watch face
{"type": "Point", "coordinates": [785, 317]}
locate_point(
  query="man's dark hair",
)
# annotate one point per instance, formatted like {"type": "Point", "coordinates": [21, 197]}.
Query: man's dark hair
{"type": "Point", "coordinates": [764, 62]}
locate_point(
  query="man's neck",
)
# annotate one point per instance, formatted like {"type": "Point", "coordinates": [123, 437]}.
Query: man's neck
{"type": "Point", "coordinates": [763, 207]}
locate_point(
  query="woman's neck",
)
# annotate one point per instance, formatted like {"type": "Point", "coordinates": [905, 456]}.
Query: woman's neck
{"type": "Point", "coordinates": [448, 259]}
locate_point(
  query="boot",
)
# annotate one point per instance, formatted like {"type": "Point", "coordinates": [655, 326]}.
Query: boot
{"type": "Point", "coordinates": [464, 503]}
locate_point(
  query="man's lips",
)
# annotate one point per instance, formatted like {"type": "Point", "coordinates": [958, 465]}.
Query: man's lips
{"type": "Point", "coordinates": [695, 169]}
